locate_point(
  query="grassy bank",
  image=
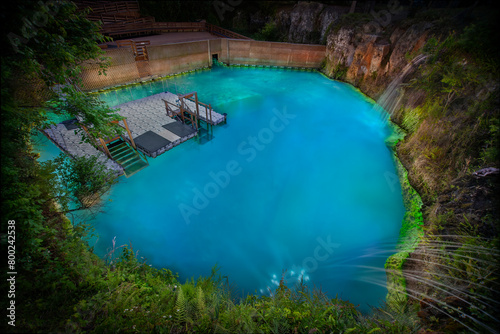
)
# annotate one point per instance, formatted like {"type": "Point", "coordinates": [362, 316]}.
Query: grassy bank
{"type": "Point", "coordinates": [450, 115]}
{"type": "Point", "coordinates": [411, 231]}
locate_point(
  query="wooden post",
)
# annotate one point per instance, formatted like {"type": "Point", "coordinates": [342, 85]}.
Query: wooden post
{"type": "Point", "coordinates": [197, 109]}
{"type": "Point", "coordinates": [88, 134]}
{"type": "Point", "coordinates": [209, 54]}
{"type": "Point", "coordinates": [182, 109]}
{"type": "Point", "coordinates": [210, 107]}
{"type": "Point", "coordinates": [129, 133]}
{"type": "Point", "coordinates": [105, 148]}
{"type": "Point", "coordinates": [197, 105]}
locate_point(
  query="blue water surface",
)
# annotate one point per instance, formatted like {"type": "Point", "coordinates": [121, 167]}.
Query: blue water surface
{"type": "Point", "coordinates": [298, 180]}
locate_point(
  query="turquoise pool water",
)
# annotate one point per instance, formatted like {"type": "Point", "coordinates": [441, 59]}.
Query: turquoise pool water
{"type": "Point", "coordinates": [297, 180]}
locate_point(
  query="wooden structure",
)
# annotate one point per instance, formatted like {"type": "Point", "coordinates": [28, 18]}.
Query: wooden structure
{"type": "Point", "coordinates": [130, 139]}
{"type": "Point", "coordinates": [123, 19]}
{"type": "Point", "coordinates": [121, 149]}
{"type": "Point", "coordinates": [185, 113]}
{"type": "Point", "coordinates": [182, 112]}
{"type": "Point", "coordinates": [138, 48]}
{"type": "Point", "coordinates": [103, 7]}
{"type": "Point", "coordinates": [137, 27]}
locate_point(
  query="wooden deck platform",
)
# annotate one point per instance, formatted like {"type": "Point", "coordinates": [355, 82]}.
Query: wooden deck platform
{"type": "Point", "coordinates": [67, 137]}
{"type": "Point", "coordinates": [153, 131]}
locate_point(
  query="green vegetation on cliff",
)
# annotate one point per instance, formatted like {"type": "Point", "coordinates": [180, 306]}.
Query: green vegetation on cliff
{"type": "Point", "coordinates": [62, 286]}
{"type": "Point", "coordinates": [450, 112]}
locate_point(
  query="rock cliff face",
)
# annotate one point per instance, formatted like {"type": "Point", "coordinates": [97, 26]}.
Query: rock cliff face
{"type": "Point", "coordinates": [307, 22]}
{"type": "Point", "coordinates": [371, 61]}
{"type": "Point", "coordinates": [449, 112]}
{"type": "Point", "coordinates": [365, 49]}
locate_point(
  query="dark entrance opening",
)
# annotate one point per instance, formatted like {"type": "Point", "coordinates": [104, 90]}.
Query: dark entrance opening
{"type": "Point", "coordinates": [215, 59]}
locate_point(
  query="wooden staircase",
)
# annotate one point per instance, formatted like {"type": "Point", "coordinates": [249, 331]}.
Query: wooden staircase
{"type": "Point", "coordinates": [121, 19]}
{"type": "Point", "coordinates": [127, 157]}
{"type": "Point", "coordinates": [110, 11]}
{"type": "Point", "coordinates": [139, 48]}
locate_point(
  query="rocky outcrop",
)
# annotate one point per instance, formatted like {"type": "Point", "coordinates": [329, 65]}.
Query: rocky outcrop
{"type": "Point", "coordinates": [307, 22]}
{"type": "Point", "coordinates": [367, 50]}
{"type": "Point", "coordinates": [371, 61]}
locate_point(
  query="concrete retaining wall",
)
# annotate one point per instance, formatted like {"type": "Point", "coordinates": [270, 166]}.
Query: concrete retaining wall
{"type": "Point", "coordinates": [123, 69]}
{"type": "Point", "coordinates": [175, 58]}
{"type": "Point", "coordinates": [275, 54]}
{"type": "Point", "coordinates": [179, 57]}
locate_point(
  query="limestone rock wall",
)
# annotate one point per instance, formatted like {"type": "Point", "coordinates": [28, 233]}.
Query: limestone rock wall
{"type": "Point", "coordinates": [370, 61]}
{"type": "Point", "coordinates": [307, 22]}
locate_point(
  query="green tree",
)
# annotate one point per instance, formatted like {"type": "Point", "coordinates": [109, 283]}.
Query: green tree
{"type": "Point", "coordinates": [44, 42]}
{"type": "Point", "coordinates": [80, 181]}
{"type": "Point", "coordinates": [43, 45]}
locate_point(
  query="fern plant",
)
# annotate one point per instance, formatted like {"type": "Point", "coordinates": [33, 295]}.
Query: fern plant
{"type": "Point", "coordinates": [200, 300]}
{"type": "Point", "coordinates": [180, 307]}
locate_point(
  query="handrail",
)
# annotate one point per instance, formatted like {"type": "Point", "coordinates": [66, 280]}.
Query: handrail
{"type": "Point", "coordinates": [208, 107]}
{"type": "Point", "coordinates": [138, 48]}
{"type": "Point", "coordinates": [121, 43]}
{"type": "Point", "coordinates": [111, 7]}
{"type": "Point", "coordinates": [121, 29]}
{"type": "Point", "coordinates": [117, 28]}
{"type": "Point", "coordinates": [183, 107]}
{"type": "Point", "coordinates": [193, 116]}
{"type": "Point", "coordinates": [211, 28]}
{"type": "Point", "coordinates": [129, 140]}
{"type": "Point", "coordinates": [141, 154]}
{"type": "Point", "coordinates": [126, 22]}
{"type": "Point", "coordinates": [116, 11]}
{"type": "Point", "coordinates": [114, 18]}
{"type": "Point", "coordinates": [171, 110]}
{"type": "Point", "coordinates": [103, 144]}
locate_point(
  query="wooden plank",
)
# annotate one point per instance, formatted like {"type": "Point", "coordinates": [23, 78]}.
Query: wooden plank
{"type": "Point", "coordinates": [129, 133]}
{"type": "Point", "coordinates": [105, 148]}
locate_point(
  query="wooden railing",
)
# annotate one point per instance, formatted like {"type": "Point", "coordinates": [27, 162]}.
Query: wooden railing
{"type": "Point", "coordinates": [121, 30]}
{"type": "Point", "coordinates": [136, 27]}
{"type": "Point", "coordinates": [109, 20]}
{"type": "Point", "coordinates": [107, 7]}
{"type": "Point", "coordinates": [122, 18]}
{"type": "Point", "coordinates": [125, 43]}
{"type": "Point", "coordinates": [181, 112]}
{"type": "Point", "coordinates": [138, 48]}
{"type": "Point", "coordinates": [213, 29]}
{"type": "Point", "coordinates": [208, 107]}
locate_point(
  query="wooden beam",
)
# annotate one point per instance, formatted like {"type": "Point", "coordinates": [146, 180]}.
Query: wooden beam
{"type": "Point", "coordinates": [105, 148]}
{"type": "Point", "coordinates": [129, 133]}
{"type": "Point", "coordinates": [89, 135]}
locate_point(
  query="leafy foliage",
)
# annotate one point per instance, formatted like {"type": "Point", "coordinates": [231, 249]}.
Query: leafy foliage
{"type": "Point", "coordinates": [50, 38]}
{"type": "Point", "coordinates": [81, 180]}
{"type": "Point", "coordinates": [66, 288]}
{"type": "Point", "coordinates": [95, 116]}
{"type": "Point", "coordinates": [452, 130]}
{"type": "Point", "coordinates": [269, 32]}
